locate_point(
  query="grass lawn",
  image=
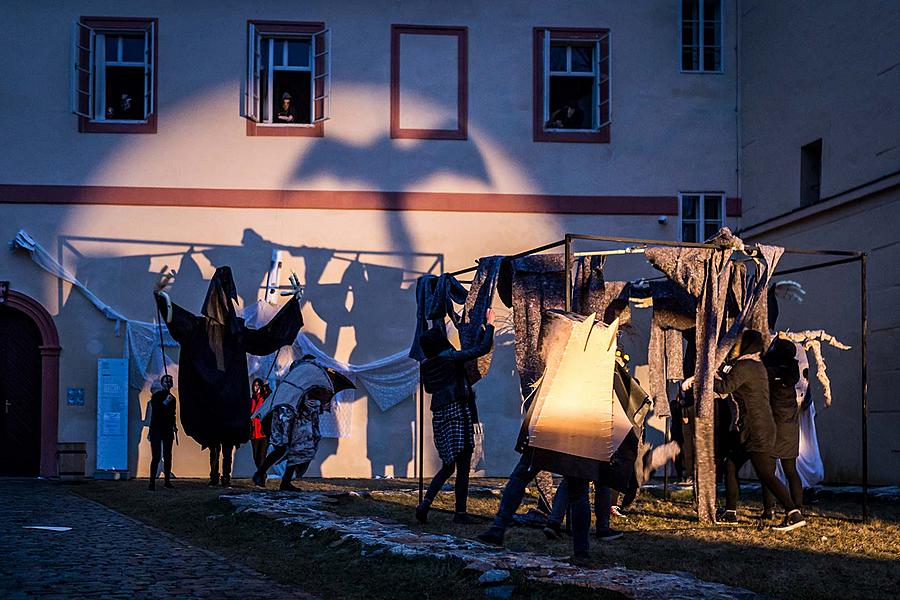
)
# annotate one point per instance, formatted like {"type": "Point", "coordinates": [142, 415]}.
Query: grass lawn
{"type": "Point", "coordinates": [831, 557]}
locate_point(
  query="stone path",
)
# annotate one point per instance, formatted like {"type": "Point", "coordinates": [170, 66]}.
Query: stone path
{"type": "Point", "coordinates": [106, 554]}
{"type": "Point", "coordinates": [310, 511]}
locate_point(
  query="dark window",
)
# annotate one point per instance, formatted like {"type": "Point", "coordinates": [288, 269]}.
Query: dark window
{"type": "Point", "coordinates": [701, 36]}
{"type": "Point", "coordinates": [811, 173]}
{"type": "Point", "coordinates": [702, 215]}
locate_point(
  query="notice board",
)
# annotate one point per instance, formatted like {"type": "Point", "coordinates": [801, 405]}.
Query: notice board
{"type": "Point", "coordinates": [112, 414]}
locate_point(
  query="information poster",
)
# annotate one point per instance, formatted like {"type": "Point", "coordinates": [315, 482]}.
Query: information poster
{"type": "Point", "coordinates": [112, 414]}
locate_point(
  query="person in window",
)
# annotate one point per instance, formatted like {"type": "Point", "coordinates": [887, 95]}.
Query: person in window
{"type": "Point", "coordinates": [443, 373]}
{"type": "Point", "coordinates": [123, 110]}
{"type": "Point", "coordinates": [162, 430]}
{"type": "Point", "coordinates": [286, 113]}
{"type": "Point", "coordinates": [569, 116]}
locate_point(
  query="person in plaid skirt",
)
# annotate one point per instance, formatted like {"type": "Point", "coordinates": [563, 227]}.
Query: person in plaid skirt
{"type": "Point", "coordinates": [443, 374]}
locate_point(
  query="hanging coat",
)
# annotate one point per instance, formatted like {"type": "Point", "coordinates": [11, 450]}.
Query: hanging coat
{"type": "Point", "coordinates": [212, 374]}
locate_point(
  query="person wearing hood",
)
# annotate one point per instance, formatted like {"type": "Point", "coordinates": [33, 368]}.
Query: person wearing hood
{"type": "Point", "coordinates": [291, 415]}
{"type": "Point", "coordinates": [443, 373]}
{"type": "Point", "coordinates": [212, 374]}
{"type": "Point", "coordinates": [784, 373]}
{"type": "Point", "coordinates": [746, 379]}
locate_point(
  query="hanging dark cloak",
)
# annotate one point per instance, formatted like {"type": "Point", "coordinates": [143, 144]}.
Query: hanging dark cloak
{"type": "Point", "coordinates": [212, 367]}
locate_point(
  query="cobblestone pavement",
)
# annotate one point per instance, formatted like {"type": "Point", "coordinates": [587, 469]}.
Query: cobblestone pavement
{"type": "Point", "coordinates": [106, 554]}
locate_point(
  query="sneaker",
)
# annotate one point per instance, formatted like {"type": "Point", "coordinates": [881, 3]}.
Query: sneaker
{"type": "Point", "coordinates": [462, 518]}
{"type": "Point", "coordinates": [792, 520]}
{"type": "Point", "coordinates": [213, 481]}
{"type": "Point", "coordinates": [493, 536]}
{"type": "Point", "coordinates": [609, 534]}
{"type": "Point", "coordinates": [581, 559]}
{"type": "Point", "coordinates": [729, 517]}
{"type": "Point", "coordinates": [226, 482]}
{"type": "Point", "coordinates": [616, 511]}
{"type": "Point", "coordinates": [422, 513]}
{"type": "Point", "coordinates": [766, 515]}
{"type": "Point", "coordinates": [552, 531]}
{"type": "Point", "coordinates": [259, 479]}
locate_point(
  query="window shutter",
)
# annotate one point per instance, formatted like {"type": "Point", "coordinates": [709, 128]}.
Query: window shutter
{"type": "Point", "coordinates": [322, 76]}
{"type": "Point", "coordinates": [83, 70]}
{"type": "Point", "coordinates": [604, 81]}
{"type": "Point", "coordinates": [149, 67]}
{"type": "Point", "coordinates": [254, 59]}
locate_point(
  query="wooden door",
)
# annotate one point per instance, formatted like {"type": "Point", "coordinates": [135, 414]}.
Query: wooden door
{"type": "Point", "coordinates": [20, 394]}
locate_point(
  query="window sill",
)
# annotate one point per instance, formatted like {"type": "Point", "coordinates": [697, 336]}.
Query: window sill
{"type": "Point", "coordinates": [273, 130]}
{"type": "Point", "coordinates": [573, 136]}
{"type": "Point", "coordinates": [698, 72]}
{"type": "Point", "coordinates": [87, 126]}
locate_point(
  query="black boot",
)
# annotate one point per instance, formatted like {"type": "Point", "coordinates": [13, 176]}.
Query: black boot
{"type": "Point", "coordinates": [213, 480]}
{"type": "Point", "coordinates": [168, 482]}
{"type": "Point", "coordinates": [422, 511]}
{"type": "Point", "coordinates": [226, 481]}
{"type": "Point", "coordinates": [152, 486]}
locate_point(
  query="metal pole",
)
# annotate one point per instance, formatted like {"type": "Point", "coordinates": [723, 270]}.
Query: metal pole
{"type": "Point", "coordinates": [568, 292]}
{"type": "Point", "coordinates": [666, 470]}
{"type": "Point", "coordinates": [864, 325]}
{"type": "Point", "coordinates": [421, 441]}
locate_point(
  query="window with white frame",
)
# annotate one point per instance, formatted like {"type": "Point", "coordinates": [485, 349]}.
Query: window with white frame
{"type": "Point", "coordinates": [114, 74]}
{"type": "Point", "coordinates": [573, 95]}
{"type": "Point", "coordinates": [288, 74]}
{"type": "Point", "coordinates": [701, 36]}
{"type": "Point", "coordinates": [702, 215]}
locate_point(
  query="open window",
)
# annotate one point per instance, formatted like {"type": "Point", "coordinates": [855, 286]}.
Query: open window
{"type": "Point", "coordinates": [572, 95]}
{"type": "Point", "coordinates": [114, 74]}
{"type": "Point", "coordinates": [288, 87]}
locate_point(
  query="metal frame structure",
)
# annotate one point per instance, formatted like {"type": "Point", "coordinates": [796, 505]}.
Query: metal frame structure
{"type": "Point", "coordinates": [846, 256]}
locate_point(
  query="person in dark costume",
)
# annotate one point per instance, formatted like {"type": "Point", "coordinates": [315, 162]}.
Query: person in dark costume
{"type": "Point", "coordinates": [212, 374]}
{"type": "Point", "coordinates": [747, 381]}
{"type": "Point", "coordinates": [259, 442]}
{"type": "Point", "coordinates": [784, 373]}
{"type": "Point", "coordinates": [162, 430]}
{"type": "Point", "coordinates": [443, 374]}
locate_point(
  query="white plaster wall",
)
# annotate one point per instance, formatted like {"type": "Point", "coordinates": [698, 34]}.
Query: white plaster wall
{"type": "Point", "coordinates": [811, 70]}
{"type": "Point", "coordinates": [671, 131]}
{"type": "Point", "coordinates": [117, 252]}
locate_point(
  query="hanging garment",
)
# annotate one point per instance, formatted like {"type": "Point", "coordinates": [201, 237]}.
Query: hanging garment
{"type": "Point", "coordinates": [435, 297]}
{"type": "Point", "coordinates": [212, 374]}
{"type": "Point", "coordinates": [709, 275]}
{"type": "Point", "coordinates": [478, 301]}
{"type": "Point", "coordinates": [575, 423]}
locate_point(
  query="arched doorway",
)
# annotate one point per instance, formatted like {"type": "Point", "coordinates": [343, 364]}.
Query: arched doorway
{"type": "Point", "coordinates": [29, 388]}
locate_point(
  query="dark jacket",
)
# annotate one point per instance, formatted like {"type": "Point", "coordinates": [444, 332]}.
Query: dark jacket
{"type": "Point", "coordinates": [444, 376]}
{"type": "Point", "coordinates": [748, 383]}
{"type": "Point", "coordinates": [785, 411]}
{"type": "Point", "coordinates": [162, 415]}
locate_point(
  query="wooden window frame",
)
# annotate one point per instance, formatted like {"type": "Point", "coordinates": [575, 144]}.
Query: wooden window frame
{"type": "Point", "coordinates": [701, 45]}
{"type": "Point", "coordinates": [462, 78]}
{"type": "Point", "coordinates": [86, 125]}
{"type": "Point", "coordinates": [601, 135]}
{"type": "Point", "coordinates": [725, 211]}
{"type": "Point", "coordinates": [268, 28]}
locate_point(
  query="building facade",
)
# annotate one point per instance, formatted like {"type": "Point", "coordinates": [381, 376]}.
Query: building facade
{"type": "Point", "coordinates": [416, 137]}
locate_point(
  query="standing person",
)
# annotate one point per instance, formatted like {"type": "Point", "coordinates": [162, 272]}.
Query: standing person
{"type": "Point", "coordinates": [784, 373]}
{"type": "Point", "coordinates": [162, 430]}
{"type": "Point", "coordinates": [259, 443]}
{"type": "Point", "coordinates": [747, 381]}
{"type": "Point", "coordinates": [226, 452]}
{"type": "Point", "coordinates": [443, 374]}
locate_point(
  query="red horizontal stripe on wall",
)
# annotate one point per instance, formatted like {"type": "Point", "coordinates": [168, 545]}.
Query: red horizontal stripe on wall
{"type": "Point", "coordinates": [344, 200]}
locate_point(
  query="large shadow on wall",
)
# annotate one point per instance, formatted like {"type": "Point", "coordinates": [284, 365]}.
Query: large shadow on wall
{"type": "Point", "coordinates": [368, 296]}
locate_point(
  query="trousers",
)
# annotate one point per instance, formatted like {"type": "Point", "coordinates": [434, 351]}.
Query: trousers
{"type": "Point", "coordinates": [161, 446]}
{"type": "Point", "coordinates": [764, 465]}
{"type": "Point", "coordinates": [225, 451]}
{"type": "Point", "coordinates": [462, 466]}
